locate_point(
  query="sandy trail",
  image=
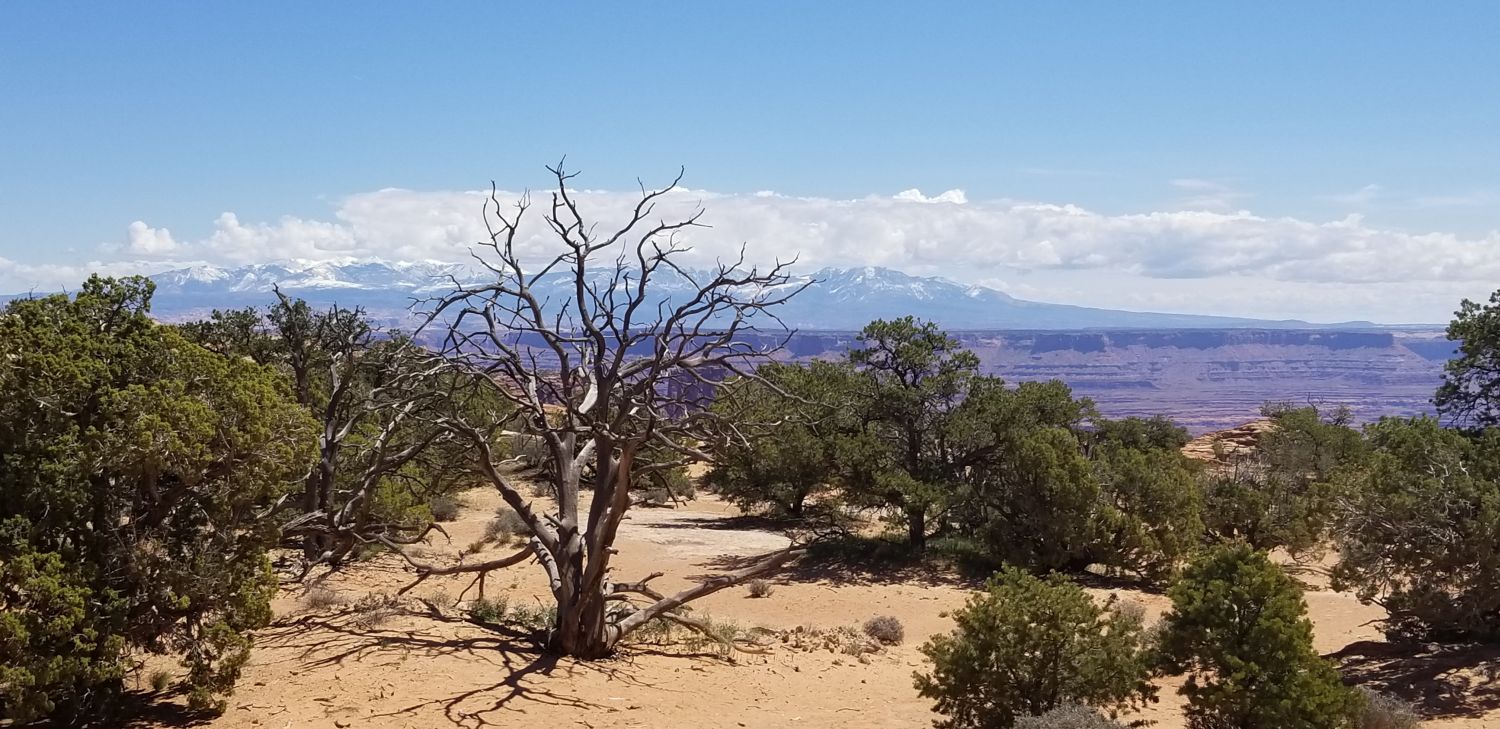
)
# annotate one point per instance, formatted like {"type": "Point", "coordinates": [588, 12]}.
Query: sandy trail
{"type": "Point", "coordinates": [407, 667]}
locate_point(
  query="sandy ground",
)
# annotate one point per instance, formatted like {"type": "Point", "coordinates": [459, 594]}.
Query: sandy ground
{"type": "Point", "coordinates": [406, 666]}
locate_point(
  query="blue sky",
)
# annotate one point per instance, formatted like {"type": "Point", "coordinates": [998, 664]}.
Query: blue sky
{"type": "Point", "coordinates": [177, 113]}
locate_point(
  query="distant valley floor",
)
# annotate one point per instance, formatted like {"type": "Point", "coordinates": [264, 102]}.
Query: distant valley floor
{"type": "Point", "coordinates": [1207, 379]}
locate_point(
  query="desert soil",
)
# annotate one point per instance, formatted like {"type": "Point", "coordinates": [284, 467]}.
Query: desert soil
{"type": "Point", "coordinates": [342, 666]}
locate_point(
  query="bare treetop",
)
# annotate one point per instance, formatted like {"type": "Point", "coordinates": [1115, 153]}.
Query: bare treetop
{"type": "Point", "coordinates": [607, 373]}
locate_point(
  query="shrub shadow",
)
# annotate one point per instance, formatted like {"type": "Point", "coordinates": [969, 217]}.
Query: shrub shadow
{"type": "Point", "coordinates": [1439, 680]}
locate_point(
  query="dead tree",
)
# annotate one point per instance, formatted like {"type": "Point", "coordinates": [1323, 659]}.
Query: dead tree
{"type": "Point", "coordinates": [373, 396]}
{"type": "Point", "coordinates": [597, 369]}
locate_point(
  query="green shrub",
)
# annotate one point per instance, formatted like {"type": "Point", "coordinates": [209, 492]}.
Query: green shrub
{"type": "Point", "coordinates": [1238, 629]}
{"type": "Point", "coordinates": [137, 470]}
{"type": "Point", "coordinates": [1281, 494]}
{"type": "Point", "coordinates": [1028, 645]}
{"type": "Point", "coordinates": [1150, 521]}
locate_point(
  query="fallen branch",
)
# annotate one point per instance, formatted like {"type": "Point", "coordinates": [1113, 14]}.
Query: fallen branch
{"type": "Point", "coordinates": [667, 605]}
{"type": "Point", "coordinates": [425, 570]}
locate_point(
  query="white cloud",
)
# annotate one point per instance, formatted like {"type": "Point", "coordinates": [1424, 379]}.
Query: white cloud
{"type": "Point", "coordinates": [148, 241]}
{"type": "Point", "coordinates": [956, 197]}
{"type": "Point", "coordinates": [1196, 260]}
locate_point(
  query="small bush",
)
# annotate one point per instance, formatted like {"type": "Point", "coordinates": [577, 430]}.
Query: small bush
{"type": "Point", "coordinates": [885, 628]}
{"type": "Point", "coordinates": [323, 598]}
{"type": "Point", "coordinates": [160, 680]}
{"type": "Point", "coordinates": [1069, 716]}
{"type": "Point", "coordinates": [506, 528]}
{"type": "Point", "coordinates": [760, 588]}
{"type": "Point", "coordinates": [1002, 662]}
{"type": "Point", "coordinates": [443, 508]}
{"type": "Point", "coordinates": [1383, 711]}
{"type": "Point", "coordinates": [1238, 628]}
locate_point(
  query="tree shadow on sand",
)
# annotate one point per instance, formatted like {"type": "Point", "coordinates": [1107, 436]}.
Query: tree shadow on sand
{"type": "Point", "coordinates": [524, 672]}
{"type": "Point", "coordinates": [863, 561]}
{"type": "Point", "coordinates": [143, 709]}
{"type": "Point", "coordinates": [1441, 681]}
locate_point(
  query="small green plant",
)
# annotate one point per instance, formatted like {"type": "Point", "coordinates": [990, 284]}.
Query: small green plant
{"type": "Point", "coordinates": [485, 610]}
{"type": "Point", "coordinates": [533, 618]}
{"type": "Point", "coordinates": [160, 680]}
{"type": "Point", "coordinates": [885, 628]}
{"type": "Point", "coordinates": [1069, 716]}
{"type": "Point", "coordinates": [444, 508]}
{"type": "Point", "coordinates": [760, 588]}
{"type": "Point", "coordinates": [1383, 711]}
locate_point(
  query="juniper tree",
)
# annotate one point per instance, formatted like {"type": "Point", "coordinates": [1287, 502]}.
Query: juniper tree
{"type": "Point", "coordinates": [913, 378]}
{"type": "Point", "coordinates": [1470, 393]}
{"type": "Point", "coordinates": [1238, 628]}
{"type": "Point", "coordinates": [137, 471]}
{"type": "Point", "coordinates": [1029, 645]}
{"type": "Point", "coordinates": [1419, 530]}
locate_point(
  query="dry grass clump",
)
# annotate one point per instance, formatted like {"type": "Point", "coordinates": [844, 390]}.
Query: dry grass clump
{"type": "Point", "coordinates": [885, 628]}
{"type": "Point", "coordinates": [1069, 716]}
{"type": "Point", "coordinates": [726, 637]}
{"type": "Point", "coordinates": [507, 527]}
{"type": "Point", "coordinates": [374, 609]}
{"type": "Point", "coordinates": [499, 611]}
{"type": "Point", "coordinates": [760, 588]}
{"type": "Point", "coordinates": [160, 680]}
{"type": "Point", "coordinates": [1383, 711]}
{"type": "Point", "coordinates": [323, 598]}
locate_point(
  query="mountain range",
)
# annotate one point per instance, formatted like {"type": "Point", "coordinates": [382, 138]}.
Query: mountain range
{"type": "Point", "coordinates": [836, 299]}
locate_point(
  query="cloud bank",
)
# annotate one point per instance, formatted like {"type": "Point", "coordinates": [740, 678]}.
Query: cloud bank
{"type": "Point", "coordinates": [1207, 257]}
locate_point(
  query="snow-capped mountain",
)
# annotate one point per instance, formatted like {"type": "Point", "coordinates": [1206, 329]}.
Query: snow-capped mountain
{"type": "Point", "coordinates": [835, 299]}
